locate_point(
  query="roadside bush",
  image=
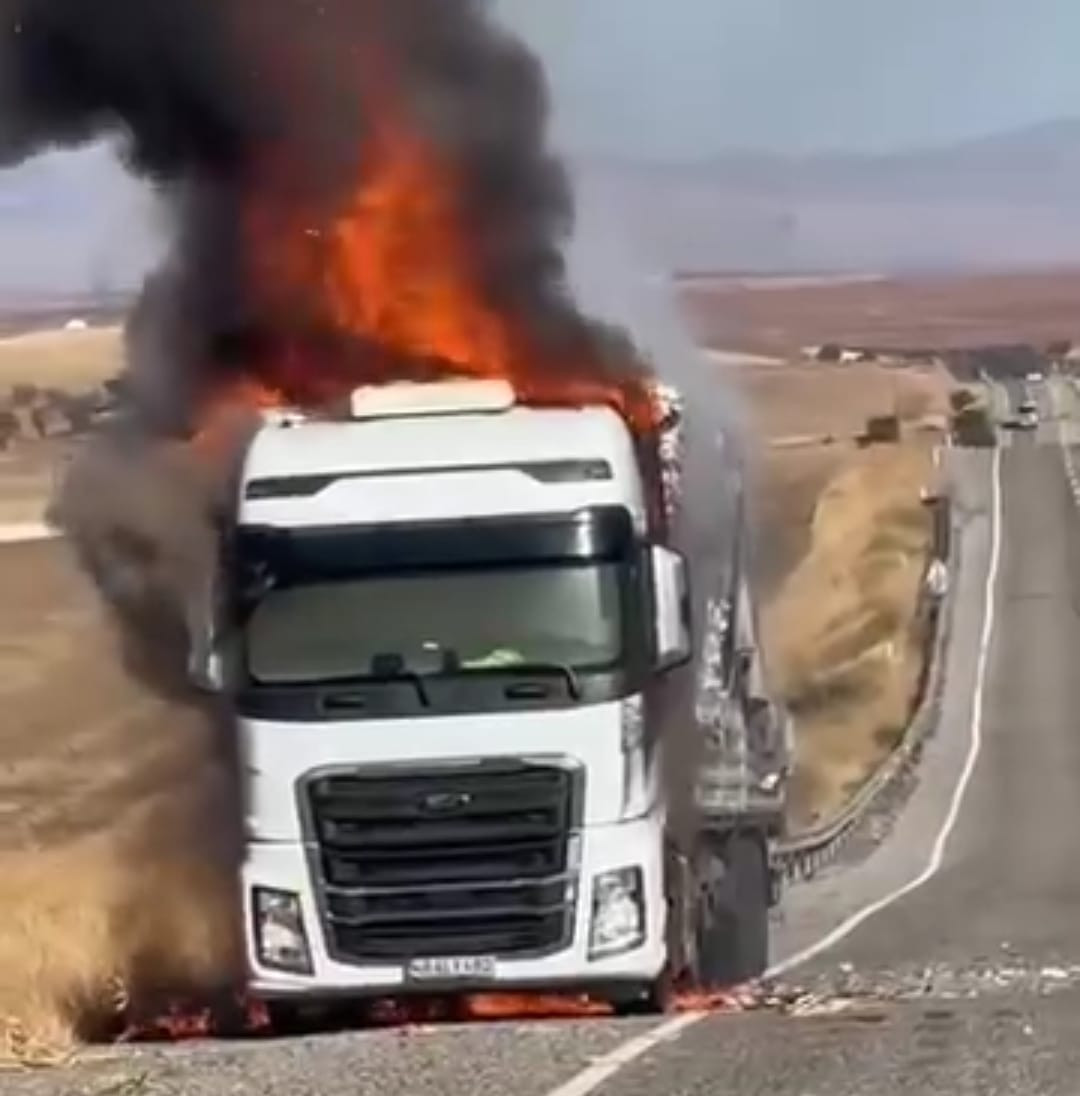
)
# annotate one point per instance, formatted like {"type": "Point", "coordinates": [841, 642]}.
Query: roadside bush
{"type": "Point", "coordinates": [961, 398]}
{"type": "Point", "coordinates": [882, 430]}
{"type": "Point", "coordinates": [973, 427]}
{"type": "Point", "coordinates": [912, 404]}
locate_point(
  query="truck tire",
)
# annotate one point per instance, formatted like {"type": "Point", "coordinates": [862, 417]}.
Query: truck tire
{"type": "Point", "coordinates": [652, 999]}
{"type": "Point", "coordinates": [733, 933]}
{"type": "Point", "coordinates": [288, 1018]}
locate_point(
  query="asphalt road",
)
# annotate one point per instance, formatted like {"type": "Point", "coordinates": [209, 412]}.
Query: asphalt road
{"type": "Point", "coordinates": [953, 952]}
{"type": "Point", "coordinates": [970, 980]}
{"type": "Point", "coordinates": [1006, 396]}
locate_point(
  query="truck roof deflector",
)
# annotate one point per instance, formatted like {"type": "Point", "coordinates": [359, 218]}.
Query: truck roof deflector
{"type": "Point", "coordinates": [455, 397]}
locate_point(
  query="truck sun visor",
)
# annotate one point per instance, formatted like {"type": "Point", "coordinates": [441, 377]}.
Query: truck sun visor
{"type": "Point", "coordinates": [563, 471]}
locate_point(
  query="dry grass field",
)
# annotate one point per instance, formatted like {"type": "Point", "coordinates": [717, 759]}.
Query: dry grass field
{"type": "Point", "coordinates": [117, 841]}
{"type": "Point", "coordinates": [61, 359]}
{"type": "Point", "coordinates": [843, 539]}
{"type": "Point", "coordinates": [778, 316]}
{"type": "Point", "coordinates": [118, 835]}
{"type": "Point", "coordinates": [842, 628]}
{"type": "Point", "coordinates": [70, 361]}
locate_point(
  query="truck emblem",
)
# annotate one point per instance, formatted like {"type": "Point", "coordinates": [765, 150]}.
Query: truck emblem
{"type": "Point", "coordinates": [445, 802]}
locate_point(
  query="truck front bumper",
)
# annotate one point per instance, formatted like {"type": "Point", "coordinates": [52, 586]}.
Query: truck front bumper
{"type": "Point", "coordinates": [287, 868]}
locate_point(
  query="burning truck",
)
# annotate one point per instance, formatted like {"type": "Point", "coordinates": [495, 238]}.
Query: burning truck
{"type": "Point", "coordinates": [478, 606]}
{"type": "Point", "coordinates": [503, 726]}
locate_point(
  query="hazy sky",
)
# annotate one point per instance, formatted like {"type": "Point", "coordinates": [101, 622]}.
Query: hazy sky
{"type": "Point", "coordinates": [684, 78]}
{"type": "Point", "coordinates": [671, 79]}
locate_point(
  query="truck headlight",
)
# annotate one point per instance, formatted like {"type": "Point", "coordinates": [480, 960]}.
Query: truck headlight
{"type": "Point", "coordinates": [280, 940]}
{"type": "Point", "coordinates": [618, 912]}
{"type": "Point", "coordinates": [770, 781]}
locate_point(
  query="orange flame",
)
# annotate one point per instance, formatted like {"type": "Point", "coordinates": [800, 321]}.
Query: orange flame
{"type": "Point", "coordinates": [483, 1007]}
{"type": "Point", "coordinates": [247, 1017]}
{"type": "Point", "coordinates": [399, 271]}
{"type": "Point", "coordinates": [518, 1006]}
{"type": "Point", "coordinates": [393, 275]}
{"type": "Point", "coordinates": [183, 1021]}
{"type": "Point", "coordinates": [227, 416]}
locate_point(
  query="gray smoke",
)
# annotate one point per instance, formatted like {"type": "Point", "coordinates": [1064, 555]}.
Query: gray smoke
{"type": "Point", "coordinates": [614, 283]}
{"type": "Point", "coordinates": [143, 518]}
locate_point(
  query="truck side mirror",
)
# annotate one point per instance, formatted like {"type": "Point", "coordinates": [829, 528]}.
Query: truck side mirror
{"type": "Point", "coordinates": [206, 667]}
{"type": "Point", "coordinates": [742, 667]}
{"type": "Point", "coordinates": [671, 598]}
{"type": "Point", "coordinates": [744, 662]}
{"type": "Point", "coordinates": [206, 670]}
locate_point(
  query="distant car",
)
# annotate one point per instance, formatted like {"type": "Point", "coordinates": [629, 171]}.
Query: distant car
{"type": "Point", "coordinates": [1027, 416]}
{"type": "Point", "coordinates": [1035, 378]}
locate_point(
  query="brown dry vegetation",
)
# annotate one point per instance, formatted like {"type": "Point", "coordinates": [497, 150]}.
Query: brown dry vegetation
{"type": "Point", "coordinates": [842, 540]}
{"type": "Point", "coordinates": [61, 359]}
{"type": "Point", "coordinates": [76, 362]}
{"type": "Point", "coordinates": [807, 399]}
{"type": "Point", "coordinates": [845, 642]}
{"type": "Point", "coordinates": [117, 840]}
{"type": "Point", "coordinates": [781, 315]}
{"type": "Point", "coordinates": [804, 419]}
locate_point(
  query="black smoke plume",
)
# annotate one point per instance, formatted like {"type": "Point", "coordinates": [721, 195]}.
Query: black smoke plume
{"type": "Point", "coordinates": [225, 106]}
{"type": "Point", "coordinates": [217, 102]}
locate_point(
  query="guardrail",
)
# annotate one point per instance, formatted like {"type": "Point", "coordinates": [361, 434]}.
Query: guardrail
{"type": "Point", "coordinates": [802, 855]}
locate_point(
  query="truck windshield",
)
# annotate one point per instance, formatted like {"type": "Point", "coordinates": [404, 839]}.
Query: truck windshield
{"type": "Point", "coordinates": [565, 615]}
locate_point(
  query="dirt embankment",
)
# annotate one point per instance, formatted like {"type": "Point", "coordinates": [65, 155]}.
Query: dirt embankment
{"type": "Point", "coordinates": [844, 630]}
{"type": "Point", "coordinates": [843, 541]}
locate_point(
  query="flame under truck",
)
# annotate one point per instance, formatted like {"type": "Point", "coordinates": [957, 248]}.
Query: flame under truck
{"type": "Point", "coordinates": [503, 721]}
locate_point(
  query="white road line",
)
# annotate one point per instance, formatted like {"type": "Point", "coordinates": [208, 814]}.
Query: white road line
{"type": "Point", "coordinates": [605, 1067]}
{"type": "Point", "coordinates": [1066, 448]}
{"type": "Point", "coordinates": [21, 532]}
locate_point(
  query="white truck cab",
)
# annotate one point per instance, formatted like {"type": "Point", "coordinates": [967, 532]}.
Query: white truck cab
{"type": "Point", "coordinates": [460, 656]}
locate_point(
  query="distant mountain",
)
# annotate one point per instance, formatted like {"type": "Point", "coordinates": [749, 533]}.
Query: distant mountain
{"type": "Point", "coordinates": [1003, 201]}
{"type": "Point", "coordinates": [73, 222]}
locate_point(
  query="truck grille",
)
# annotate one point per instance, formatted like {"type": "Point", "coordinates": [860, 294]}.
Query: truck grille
{"type": "Point", "coordinates": [454, 861]}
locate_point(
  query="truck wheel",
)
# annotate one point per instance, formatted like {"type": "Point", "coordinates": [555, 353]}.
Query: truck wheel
{"type": "Point", "coordinates": [288, 1017]}
{"type": "Point", "coordinates": [733, 933]}
{"type": "Point", "coordinates": [653, 999]}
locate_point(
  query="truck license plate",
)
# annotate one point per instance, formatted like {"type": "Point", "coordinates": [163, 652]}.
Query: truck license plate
{"type": "Point", "coordinates": [452, 968]}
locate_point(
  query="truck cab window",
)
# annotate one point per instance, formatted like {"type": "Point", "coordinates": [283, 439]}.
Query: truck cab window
{"type": "Point", "coordinates": [434, 622]}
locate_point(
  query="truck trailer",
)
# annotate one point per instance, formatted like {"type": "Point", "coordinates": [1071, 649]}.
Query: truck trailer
{"type": "Point", "coordinates": [503, 717]}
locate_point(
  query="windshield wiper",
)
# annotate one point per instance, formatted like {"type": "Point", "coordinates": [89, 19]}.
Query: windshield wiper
{"type": "Point", "coordinates": [563, 669]}
{"type": "Point", "coordinates": [347, 696]}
